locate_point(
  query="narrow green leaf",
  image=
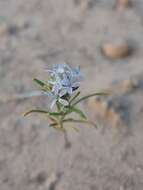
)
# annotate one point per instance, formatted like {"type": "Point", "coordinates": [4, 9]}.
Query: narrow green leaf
{"type": "Point", "coordinates": [72, 99]}
{"type": "Point", "coordinates": [80, 121]}
{"type": "Point", "coordinates": [42, 84]}
{"type": "Point", "coordinates": [79, 112]}
{"type": "Point", "coordinates": [89, 96]}
{"type": "Point", "coordinates": [56, 113]}
{"type": "Point", "coordinates": [39, 82]}
{"type": "Point", "coordinates": [35, 111]}
{"type": "Point", "coordinates": [52, 114]}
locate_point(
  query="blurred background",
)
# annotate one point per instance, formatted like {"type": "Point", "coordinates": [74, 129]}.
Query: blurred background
{"type": "Point", "coordinates": [104, 37]}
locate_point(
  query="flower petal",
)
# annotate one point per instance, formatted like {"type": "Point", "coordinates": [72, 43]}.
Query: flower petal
{"type": "Point", "coordinates": [69, 90]}
{"type": "Point", "coordinates": [76, 84]}
{"type": "Point", "coordinates": [64, 79]}
{"type": "Point", "coordinates": [63, 102]}
{"type": "Point", "coordinates": [56, 88]}
{"type": "Point", "coordinates": [63, 92]}
{"type": "Point", "coordinates": [53, 103]}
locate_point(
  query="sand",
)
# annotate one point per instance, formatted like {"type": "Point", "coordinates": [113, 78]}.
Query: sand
{"type": "Point", "coordinates": [35, 34]}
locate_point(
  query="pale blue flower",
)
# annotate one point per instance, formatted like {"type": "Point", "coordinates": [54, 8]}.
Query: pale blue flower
{"type": "Point", "coordinates": [64, 81]}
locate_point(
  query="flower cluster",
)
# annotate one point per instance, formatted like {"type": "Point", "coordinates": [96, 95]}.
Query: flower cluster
{"type": "Point", "coordinates": [64, 81]}
{"type": "Point", "coordinates": [63, 86]}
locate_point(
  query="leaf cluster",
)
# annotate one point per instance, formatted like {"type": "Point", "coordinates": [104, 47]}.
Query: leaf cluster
{"type": "Point", "coordinates": [62, 115]}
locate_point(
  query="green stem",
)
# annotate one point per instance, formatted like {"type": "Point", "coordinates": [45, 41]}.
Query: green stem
{"type": "Point", "coordinates": [81, 121]}
{"type": "Point", "coordinates": [58, 107]}
{"type": "Point", "coordinates": [88, 96]}
{"type": "Point", "coordinates": [76, 121]}
{"type": "Point", "coordinates": [35, 111]}
{"type": "Point", "coordinates": [76, 95]}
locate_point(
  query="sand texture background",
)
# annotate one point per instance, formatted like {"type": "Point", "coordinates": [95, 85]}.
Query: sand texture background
{"type": "Point", "coordinates": [34, 34]}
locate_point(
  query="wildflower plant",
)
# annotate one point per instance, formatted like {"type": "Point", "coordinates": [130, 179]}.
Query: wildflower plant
{"type": "Point", "coordinates": [62, 87]}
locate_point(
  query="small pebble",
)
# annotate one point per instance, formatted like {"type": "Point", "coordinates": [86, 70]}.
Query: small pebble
{"type": "Point", "coordinates": [122, 4]}
{"type": "Point", "coordinates": [116, 49]}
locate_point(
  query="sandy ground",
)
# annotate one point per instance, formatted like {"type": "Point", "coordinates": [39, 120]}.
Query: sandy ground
{"type": "Point", "coordinates": [35, 34]}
